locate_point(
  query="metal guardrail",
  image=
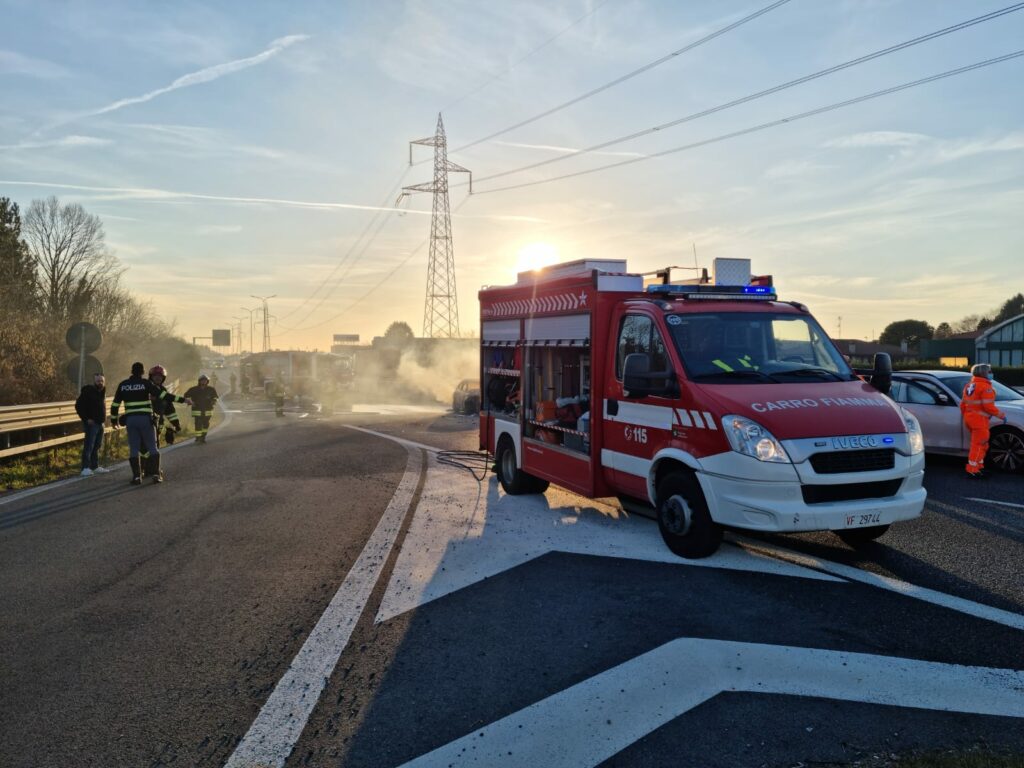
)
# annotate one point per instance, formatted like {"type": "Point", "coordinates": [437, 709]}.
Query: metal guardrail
{"type": "Point", "coordinates": [38, 420]}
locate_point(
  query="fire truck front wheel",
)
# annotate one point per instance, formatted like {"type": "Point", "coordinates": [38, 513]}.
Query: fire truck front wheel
{"type": "Point", "coordinates": [683, 517]}
{"type": "Point", "coordinates": [512, 479]}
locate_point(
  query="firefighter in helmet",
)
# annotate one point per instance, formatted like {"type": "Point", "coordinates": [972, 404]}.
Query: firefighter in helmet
{"type": "Point", "coordinates": [978, 405]}
{"type": "Point", "coordinates": [167, 416]}
{"type": "Point", "coordinates": [137, 393]}
{"type": "Point", "coordinates": [203, 397]}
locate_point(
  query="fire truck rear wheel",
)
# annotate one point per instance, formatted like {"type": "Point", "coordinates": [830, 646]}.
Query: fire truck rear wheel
{"type": "Point", "coordinates": [512, 479]}
{"type": "Point", "coordinates": [684, 519]}
{"type": "Point", "coordinates": [858, 537]}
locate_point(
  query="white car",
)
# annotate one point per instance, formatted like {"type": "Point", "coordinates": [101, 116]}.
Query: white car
{"type": "Point", "coordinates": [934, 398]}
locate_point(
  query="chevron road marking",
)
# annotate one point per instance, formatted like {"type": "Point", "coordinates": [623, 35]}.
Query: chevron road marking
{"type": "Point", "coordinates": [852, 573]}
{"type": "Point", "coordinates": [464, 532]}
{"type": "Point", "coordinates": [590, 722]}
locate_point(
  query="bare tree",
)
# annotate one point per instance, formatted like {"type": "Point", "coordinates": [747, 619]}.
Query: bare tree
{"type": "Point", "coordinates": [72, 259]}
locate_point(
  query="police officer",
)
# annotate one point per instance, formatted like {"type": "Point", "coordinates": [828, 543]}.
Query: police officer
{"type": "Point", "coordinates": [136, 393]}
{"type": "Point", "coordinates": [978, 405]}
{"type": "Point", "coordinates": [203, 397]}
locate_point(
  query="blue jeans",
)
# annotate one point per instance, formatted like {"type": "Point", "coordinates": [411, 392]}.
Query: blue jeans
{"type": "Point", "coordinates": [91, 446]}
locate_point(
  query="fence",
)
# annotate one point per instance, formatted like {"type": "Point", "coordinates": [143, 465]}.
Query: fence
{"type": "Point", "coordinates": [28, 428]}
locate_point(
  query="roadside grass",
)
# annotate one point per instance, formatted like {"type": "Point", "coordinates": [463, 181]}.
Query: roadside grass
{"type": "Point", "coordinates": [49, 464]}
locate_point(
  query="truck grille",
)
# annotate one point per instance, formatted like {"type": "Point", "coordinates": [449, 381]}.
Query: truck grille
{"type": "Point", "coordinates": [853, 461]}
{"type": "Point", "coordinates": [820, 494]}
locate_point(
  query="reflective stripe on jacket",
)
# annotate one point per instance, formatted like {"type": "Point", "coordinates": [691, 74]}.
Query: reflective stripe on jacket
{"type": "Point", "coordinates": [979, 397]}
{"type": "Point", "coordinates": [135, 393]}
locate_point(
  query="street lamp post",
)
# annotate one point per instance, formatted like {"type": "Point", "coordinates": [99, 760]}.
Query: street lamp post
{"type": "Point", "coordinates": [252, 348]}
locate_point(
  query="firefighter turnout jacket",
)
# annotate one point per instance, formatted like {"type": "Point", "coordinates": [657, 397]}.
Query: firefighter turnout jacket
{"type": "Point", "coordinates": [164, 410]}
{"type": "Point", "coordinates": [203, 399]}
{"type": "Point", "coordinates": [135, 392]}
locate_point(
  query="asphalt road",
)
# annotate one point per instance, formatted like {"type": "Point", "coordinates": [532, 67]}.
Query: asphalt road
{"type": "Point", "coordinates": [144, 626]}
{"type": "Point", "coordinates": [301, 593]}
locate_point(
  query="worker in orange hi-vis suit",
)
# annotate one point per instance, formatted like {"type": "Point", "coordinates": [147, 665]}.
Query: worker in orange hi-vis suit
{"type": "Point", "coordinates": [978, 405]}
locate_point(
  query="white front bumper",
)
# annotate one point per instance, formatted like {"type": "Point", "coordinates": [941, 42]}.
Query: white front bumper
{"type": "Point", "coordinates": [774, 501]}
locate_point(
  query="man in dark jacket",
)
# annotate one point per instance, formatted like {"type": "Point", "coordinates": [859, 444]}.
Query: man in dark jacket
{"type": "Point", "coordinates": [135, 392]}
{"type": "Point", "coordinates": [203, 398]}
{"type": "Point", "coordinates": [91, 408]}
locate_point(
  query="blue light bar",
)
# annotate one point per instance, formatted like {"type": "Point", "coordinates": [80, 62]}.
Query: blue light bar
{"type": "Point", "coordinates": [723, 292]}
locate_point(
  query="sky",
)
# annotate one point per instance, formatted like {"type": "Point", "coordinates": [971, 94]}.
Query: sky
{"type": "Point", "coordinates": [236, 149]}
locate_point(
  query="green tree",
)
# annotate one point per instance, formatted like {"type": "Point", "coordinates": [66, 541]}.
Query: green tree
{"type": "Point", "coordinates": [911, 331]}
{"type": "Point", "coordinates": [1012, 307]}
{"type": "Point", "coordinates": [943, 331]}
{"type": "Point", "coordinates": [398, 334]}
{"type": "Point", "coordinates": [17, 270]}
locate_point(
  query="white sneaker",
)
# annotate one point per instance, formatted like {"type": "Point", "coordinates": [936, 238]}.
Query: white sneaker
{"type": "Point", "coordinates": [86, 472]}
{"type": "Point", "coordinates": [100, 471]}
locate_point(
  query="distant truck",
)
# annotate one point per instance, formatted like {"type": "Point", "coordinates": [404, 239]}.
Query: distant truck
{"type": "Point", "coordinates": [712, 400]}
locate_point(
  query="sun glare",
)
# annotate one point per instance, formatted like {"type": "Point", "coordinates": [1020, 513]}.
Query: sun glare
{"type": "Point", "coordinates": [535, 256]}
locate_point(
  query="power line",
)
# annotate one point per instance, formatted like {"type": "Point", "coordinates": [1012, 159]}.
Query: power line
{"type": "Point", "coordinates": [628, 76]}
{"type": "Point", "coordinates": [766, 92]}
{"type": "Point", "coordinates": [365, 247]}
{"type": "Point", "coordinates": [383, 280]}
{"type": "Point", "coordinates": [519, 61]}
{"type": "Point", "coordinates": [764, 126]}
{"type": "Point", "coordinates": [380, 209]}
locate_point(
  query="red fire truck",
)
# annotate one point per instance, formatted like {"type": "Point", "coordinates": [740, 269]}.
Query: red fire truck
{"type": "Point", "coordinates": [708, 398]}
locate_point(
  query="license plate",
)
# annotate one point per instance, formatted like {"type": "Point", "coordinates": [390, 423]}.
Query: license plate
{"type": "Point", "coordinates": [862, 519]}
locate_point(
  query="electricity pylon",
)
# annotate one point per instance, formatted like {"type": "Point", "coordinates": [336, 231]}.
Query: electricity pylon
{"type": "Point", "coordinates": [441, 308]}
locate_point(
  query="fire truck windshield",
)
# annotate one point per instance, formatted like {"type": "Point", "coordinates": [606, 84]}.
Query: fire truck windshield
{"type": "Point", "coordinates": [755, 348]}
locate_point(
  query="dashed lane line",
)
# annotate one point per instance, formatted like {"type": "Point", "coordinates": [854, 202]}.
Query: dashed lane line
{"type": "Point", "coordinates": [593, 720]}
{"type": "Point", "coordinates": [280, 722]}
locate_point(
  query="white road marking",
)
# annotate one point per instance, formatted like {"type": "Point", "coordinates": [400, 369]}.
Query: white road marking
{"type": "Point", "coordinates": [588, 723]}
{"type": "Point", "coordinates": [397, 409]}
{"type": "Point", "coordinates": [422, 572]}
{"type": "Point", "coordinates": [960, 604]}
{"type": "Point", "coordinates": [279, 724]}
{"type": "Point", "coordinates": [400, 440]}
{"type": "Point", "coordinates": [996, 501]}
{"type": "Point", "coordinates": [464, 531]}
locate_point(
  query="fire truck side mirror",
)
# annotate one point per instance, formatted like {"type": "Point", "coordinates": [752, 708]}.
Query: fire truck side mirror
{"type": "Point", "coordinates": [634, 375]}
{"type": "Point", "coordinates": [881, 374]}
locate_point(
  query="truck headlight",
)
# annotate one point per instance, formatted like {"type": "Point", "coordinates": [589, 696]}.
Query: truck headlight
{"type": "Point", "coordinates": [914, 435]}
{"type": "Point", "coordinates": [751, 439]}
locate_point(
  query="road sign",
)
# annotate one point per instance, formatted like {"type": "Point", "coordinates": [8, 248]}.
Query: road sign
{"type": "Point", "coordinates": [84, 336]}
{"type": "Point", "coordinates": [221, 338]}
{"type": "Point", "coordinates": [89, 366]}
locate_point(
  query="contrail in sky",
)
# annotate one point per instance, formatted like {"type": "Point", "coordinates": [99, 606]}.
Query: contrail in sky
{"type": "Point", "coordinates": [155, 194]}
{"type": "Point", "coordinates": [194, 78]}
